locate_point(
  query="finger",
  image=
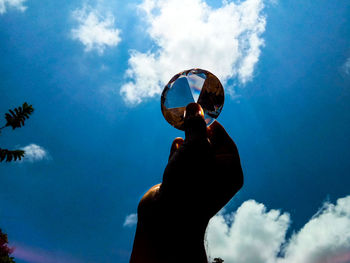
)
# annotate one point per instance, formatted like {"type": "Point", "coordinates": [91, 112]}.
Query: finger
{"type": "Point", "coordinates": [195, 126]}
{"type": "Point", "coordinates": [175, 145]}
{"type": "Point", "coordinates": [227, 159]}
{"type": "Point", "coordinates": [193, 110]}
{"type": "Point", "coordinates": [220, 140]}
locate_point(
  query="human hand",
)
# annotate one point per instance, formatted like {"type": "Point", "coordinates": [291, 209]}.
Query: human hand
{"type": "Point", "coordinates": [204, 170]}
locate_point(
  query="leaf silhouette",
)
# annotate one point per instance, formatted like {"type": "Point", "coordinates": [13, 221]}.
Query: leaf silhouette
{"type": "Point", "coordinates": [15, 118]}
{"type": "Point", "coordinates": [9, 155]}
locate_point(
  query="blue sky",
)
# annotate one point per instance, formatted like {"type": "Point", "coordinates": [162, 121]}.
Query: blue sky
{"type": "Point", "coordinates": [94, 71]}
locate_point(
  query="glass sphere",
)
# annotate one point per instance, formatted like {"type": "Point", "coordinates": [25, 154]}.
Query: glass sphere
{"type": "Point", "coordinates": [194, 85]}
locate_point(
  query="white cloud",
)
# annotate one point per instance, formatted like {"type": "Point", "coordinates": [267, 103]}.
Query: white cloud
{"type": "Point", "coordinates": [34, 153]}
{"type": "Point", "coordinates": [130, 220]}
{"type": "Point", "coordinates": [254, 235]}
{"type": "Point", "coordinates": [95, 32]}
{"type": "Point", "coordinates": [17, 4]}
{"type": "Point", "coordinates": [325, 238]}
{"type": "Point", "coordinates": [346, 66]}
{"type": "Point", "coordinates": [189, 34]}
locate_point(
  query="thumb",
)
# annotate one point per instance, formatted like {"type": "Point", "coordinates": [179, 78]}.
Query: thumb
{"type": "Point", "coordinates": [194, 123]}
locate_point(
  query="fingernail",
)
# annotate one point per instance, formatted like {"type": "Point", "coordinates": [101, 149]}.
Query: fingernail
{"type": "Point", "coordinates": [192, 110]}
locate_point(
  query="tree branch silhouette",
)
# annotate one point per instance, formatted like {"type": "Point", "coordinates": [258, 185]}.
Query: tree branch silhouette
{"type": "Point", "coordinates": [5, 251]}
{"type": "Point", "coordinates": [15, 118]}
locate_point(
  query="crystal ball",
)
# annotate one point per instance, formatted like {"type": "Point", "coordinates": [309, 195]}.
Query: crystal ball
{"type": "Point", "coordinates": [194, 85]}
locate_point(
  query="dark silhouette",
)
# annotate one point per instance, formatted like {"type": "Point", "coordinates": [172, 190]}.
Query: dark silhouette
{"type": "Point", "coordinates": [5, 251]}
{"type": "Point", "coordinates": [218, 260]}
{"type": "Point", "coordinates": [15, 118]}
{"type": "Point", "coordinates": [202, 175]}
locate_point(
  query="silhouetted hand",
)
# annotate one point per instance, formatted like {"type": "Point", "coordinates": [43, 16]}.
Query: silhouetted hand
{"type": "Point", "coordinates": [202, 175]}
{"type": "Point", "coordinates": [204, 171]}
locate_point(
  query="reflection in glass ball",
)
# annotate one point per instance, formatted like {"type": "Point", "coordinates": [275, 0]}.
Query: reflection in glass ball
{"type": "Point", "coordinates": [194, 85]}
